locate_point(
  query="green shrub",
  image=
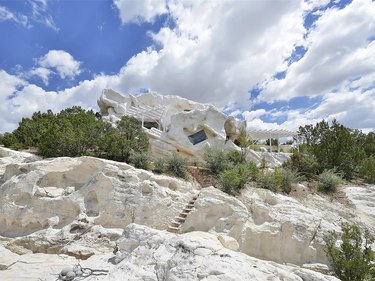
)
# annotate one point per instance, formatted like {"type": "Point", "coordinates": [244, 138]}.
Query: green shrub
{"type": "Point", "coordinates": [354, 259]}
{"type": "Point", "coordinates": [160, 165]}
{"type": "Point", "coordinates": [252, 169]}
{"type": "Point", "coordinates": [304, 164]}
{"type": "Point", "coordinates": [234, 179]}
{"type": "Point", "coordinates": [367, 169]}
{"type": "Point", "coordinates": [263, 163]}
{"type": "Point", "coordinates": [329, 180]}
{"type": "Point", "coordinates": [216, 160]}
{"type": "Point", "coordinates": [335, 146]}
{"type": "Point", "coordinates": [176, 165]}
{"type": "Point", "coordinates": [267, 180]}
{"type": "Point", "coordinates": [76, 132]}
{"type": "Point", "coordinates": [8, 139]}
{"type": "Point", "coordinates": [140, 160]}
{"type": "Point", "coordinates": [285, 178]}
{"type": "Point", "coordinates": [235, 157]}
{"type": "Point", "coordinates": [278, 180]}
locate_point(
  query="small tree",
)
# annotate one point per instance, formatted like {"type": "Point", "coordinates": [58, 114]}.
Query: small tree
{"type": "Point", "coordinates": [353, 259]}
{"type": "Point", "coordinates": [305, 164]}
{"type": "Point", "coordinates": [367, 169]}
{"type": "Point", "coordinates": [243, 140]}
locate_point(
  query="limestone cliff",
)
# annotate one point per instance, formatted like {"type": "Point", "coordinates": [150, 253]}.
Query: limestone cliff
{"type": "Point", "coordinates": [112, 216]}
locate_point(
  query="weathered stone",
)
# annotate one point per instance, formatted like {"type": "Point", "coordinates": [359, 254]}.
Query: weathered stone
{"type": "Point", "coordinates": [228, 242]}
{"type": "Point", "coordinates": [105, 197]}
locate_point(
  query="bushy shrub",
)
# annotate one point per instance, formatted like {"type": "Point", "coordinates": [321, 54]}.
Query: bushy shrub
{"type": "Point", "coordinates": [329, 180]}
{"type": "Point", "coordinates": [76, 132]}
{"type": "Point", "coordinates": [304, 164]}
{"type": "Point", "coordinates": [216, 160]}
{"type": "Point", "coordinates": [354, 259]}
{"type": "Point", "coordinates": [252, 169]}
{"type": "Point", "coordinates": [10, 140]}
{"type": "Point", "coordinates": [278, 180]}
{"type": "Point", "coordinates": [232, 180]}
{"type": "Point", "coordinates": [268, 181]}
{"type": "Point", "coordinates": [335, 146]}
{"type": "Point", "coordinates": [160, 165]}
{"type": "Point", "coordinates": [285, 178]}
{"type": "Point", "coordinates": [176, 165]}
{"type": "Point", "coordinates": [140, 160]}
{"type": "Point", "coordinates": [367, 169]}
{"type": "Point", "coordinates": [263, 163]}
{"type": "Point", "coordinates": [235, 157]}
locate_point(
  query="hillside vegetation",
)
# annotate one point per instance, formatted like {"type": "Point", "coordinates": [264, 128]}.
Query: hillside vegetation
{"type": "Point", "coordinates": [77, 132]}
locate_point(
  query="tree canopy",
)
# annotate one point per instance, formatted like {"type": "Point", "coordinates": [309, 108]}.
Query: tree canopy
{"type": "Point", "coordinates": [76, 132]}
{"type": "Point", "coordinates": [336, 146]}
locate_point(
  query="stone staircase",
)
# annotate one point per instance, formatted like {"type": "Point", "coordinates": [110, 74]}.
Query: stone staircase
{"type": "Point", "coordinates": [177, 222]}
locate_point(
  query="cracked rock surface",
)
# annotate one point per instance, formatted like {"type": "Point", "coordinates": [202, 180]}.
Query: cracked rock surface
{"type": "Point", "coordinates": [105, 215]}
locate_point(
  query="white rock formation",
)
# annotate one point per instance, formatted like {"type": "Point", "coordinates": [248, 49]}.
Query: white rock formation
{"type": "Point", "coordinates": [79, 207]}
{"type": "Point", "coordinates": [181, 125]}
{"type": "Point", "coordinates": [57, 192]}
{"type": "Point", "coordinates": [153, 255]}
{"type": "Point", "coordinates": [276, 227]}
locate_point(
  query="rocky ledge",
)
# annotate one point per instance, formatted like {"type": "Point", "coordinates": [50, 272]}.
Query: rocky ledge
{"type": "Point", "coordinates": [110, 220]}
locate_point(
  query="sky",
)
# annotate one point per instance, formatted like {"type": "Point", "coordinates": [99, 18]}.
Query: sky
{"type": "Point", "coordinates": [274, 63]}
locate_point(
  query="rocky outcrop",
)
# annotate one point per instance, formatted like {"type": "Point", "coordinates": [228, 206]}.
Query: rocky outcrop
{"type": "Point", "coordinates": [54, 193]}
{"type": "Point", "coordinates": [80, 206]}
{"type": "Point", "coordinates": [154, 255]}
{"type": "Point", "coordinates": [274, 226]}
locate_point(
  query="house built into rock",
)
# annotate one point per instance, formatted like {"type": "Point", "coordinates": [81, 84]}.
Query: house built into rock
{"type": "Point", "coordinates": [177, 124]}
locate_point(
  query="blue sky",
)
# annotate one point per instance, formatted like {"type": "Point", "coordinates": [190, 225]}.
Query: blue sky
{"type": "Point", "coordinates": [274, 63]}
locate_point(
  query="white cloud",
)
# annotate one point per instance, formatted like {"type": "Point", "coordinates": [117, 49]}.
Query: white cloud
{"type": "Point", "coordinates": [62, 62]}
{"type": "Point", "coordinates": [251, 115]}
{"type": "Point", "coordinates": [138, 11]}
{"type": "Point", "coordinates": [5, 15]}
{"type": "Point", "coordinates": [354, 109]}
{"type": "Point", "coordinates": [218, 49]}
{"type": "Point", "coordinates": [40, 14]}
{"type": "Point", "coordinates": [27, 98]}
{"type": "Point", "coordinates": [8, 87]}
{"type": "Point", "coordinates": [338, 50]}
{"type": "Point", "coordinates": [41, 72]}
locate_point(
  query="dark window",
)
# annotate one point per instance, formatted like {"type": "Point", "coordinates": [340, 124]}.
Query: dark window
{"type": "Point", "coordinates": [150, 124]}
{"type": "Point", "coordinates": [197, 137]}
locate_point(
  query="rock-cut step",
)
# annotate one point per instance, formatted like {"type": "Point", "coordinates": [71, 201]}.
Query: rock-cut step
{"type": "Point", "coordinates": [177, 222]}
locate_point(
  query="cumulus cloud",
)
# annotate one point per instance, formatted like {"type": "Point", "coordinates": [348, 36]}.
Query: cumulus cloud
{"type": "Point", "coordinates": [140, 11]}
{"type": "Point", "coordinates": [218, 49]}
{"type": "Point", "coordinates": [57, 60]}
{"type": "Point", "coordinates": [41, 72]}
{"type": "Point", "coordinates": [255, 114]}
{"type": "Point", "coordinates": [339, 49]}
{"type": "Point", "coordinates": [18, 98]}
